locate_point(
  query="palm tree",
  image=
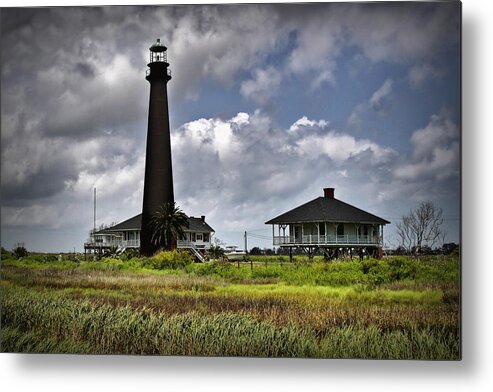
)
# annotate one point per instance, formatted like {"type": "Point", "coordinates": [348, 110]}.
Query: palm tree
{"type": "Point", "coordinates": [168, 223]}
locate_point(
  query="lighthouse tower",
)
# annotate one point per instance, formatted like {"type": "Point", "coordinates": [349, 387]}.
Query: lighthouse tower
{"type": "Point", "coordinates": [158, 181]}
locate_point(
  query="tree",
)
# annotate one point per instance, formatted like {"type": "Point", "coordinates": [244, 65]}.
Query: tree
{"type": "Point", "coordinates": [216, 251]}
{"type": "Point", "coordinates": [19, 251]}
{"type": "Point", "coordinates": [168, 223]}
{"type": "Point", "coordinates": [255, 251]}
{"type": "Point", "coordinates": [420, 228]}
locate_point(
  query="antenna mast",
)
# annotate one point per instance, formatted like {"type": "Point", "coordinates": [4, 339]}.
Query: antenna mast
{"type": "Point", "coordinates": [94, 231]}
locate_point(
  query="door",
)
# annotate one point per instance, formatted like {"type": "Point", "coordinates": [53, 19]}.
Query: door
{"type": "Point", "coordinates": [297, 234]}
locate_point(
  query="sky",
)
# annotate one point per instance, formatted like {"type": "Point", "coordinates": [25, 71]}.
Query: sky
{"type": "Point", "coordinates": [268, 105]}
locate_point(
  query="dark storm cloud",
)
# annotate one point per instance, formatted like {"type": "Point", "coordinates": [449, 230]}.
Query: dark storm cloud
{"type": "Point", "coordinates": [65, 84]}
{"type": "Point", "coordinates": [48, 180]}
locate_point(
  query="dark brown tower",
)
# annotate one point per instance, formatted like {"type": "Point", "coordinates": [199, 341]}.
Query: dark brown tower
{"type": "Point", "coordinates": [158, 181]}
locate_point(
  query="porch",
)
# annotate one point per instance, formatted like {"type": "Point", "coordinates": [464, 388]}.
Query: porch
{"type": "Point", "coordinates": [114, 242]}
{"type": "Point", "coordinates": [328, 234]}
{"type": "Point", "coordinates": [326, 240]}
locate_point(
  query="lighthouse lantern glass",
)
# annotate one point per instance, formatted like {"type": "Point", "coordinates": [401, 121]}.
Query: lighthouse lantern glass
{"type": "Point", "coordinates": [158, 57]}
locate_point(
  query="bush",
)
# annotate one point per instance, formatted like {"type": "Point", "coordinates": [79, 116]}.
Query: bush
{"type": "Point", "coordinates": [19, 252]}
{"type": "Point", "coordinates": [129, 254]}
{"type": "Point", "coordinates": [368, 265]}
{"type": "Point", "coordinates": [402, 268]}
{"type": "Point", "coordinates": [175, 259]}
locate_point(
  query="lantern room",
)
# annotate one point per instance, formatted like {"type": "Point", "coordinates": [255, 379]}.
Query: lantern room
{"type": "Point", "coordinates": [158, 52]}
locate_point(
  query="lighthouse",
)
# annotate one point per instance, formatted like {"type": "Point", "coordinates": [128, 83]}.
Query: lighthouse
{"type": "Point", "coordinates": [158, 181]}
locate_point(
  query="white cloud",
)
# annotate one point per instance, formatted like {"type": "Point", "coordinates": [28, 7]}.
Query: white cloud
{"type": "Point", "coordinates": [339, 147]}
{"type": "Point", "coordinates": [304, 123]}
{"type": "Point", "coordinates": [237, 171]}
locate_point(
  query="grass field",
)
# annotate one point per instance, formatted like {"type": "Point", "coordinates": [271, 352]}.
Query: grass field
{"type": "Point", "coordinates": [397, 308]}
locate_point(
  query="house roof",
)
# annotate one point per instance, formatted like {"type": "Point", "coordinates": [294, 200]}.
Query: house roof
{"type": "Point", "coordinates": [135, 223]}
{"type": "Point", "coordinates": [326, 209]}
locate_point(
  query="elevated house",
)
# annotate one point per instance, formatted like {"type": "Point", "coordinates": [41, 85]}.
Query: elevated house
{"type": "Point", "coordinates": [126, 235]}
{"type": "Point", "coordinates": [329, 225]}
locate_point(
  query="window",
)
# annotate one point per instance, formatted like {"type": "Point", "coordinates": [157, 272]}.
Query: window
{"type": "Point", "coordinates": [321, 228]}
{"type": "Point", "coordinates": [206, 237]}
{"type": "Point", "coordinates": [193, 237]}
{"type": "Point", "coordinates": [340, 229]}
{"type": "Point", "coordinates": [365, 230]}
{"type": "Point", "coordinates": [199, 237]}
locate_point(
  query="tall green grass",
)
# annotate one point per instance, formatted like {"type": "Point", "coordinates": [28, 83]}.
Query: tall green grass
{"type": "Point", "coordinates": [167, 305]}
{"type": "Point", "coordinates": [40, 322]}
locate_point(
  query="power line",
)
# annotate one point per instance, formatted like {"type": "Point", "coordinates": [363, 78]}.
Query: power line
{"type": "Point", "coordinates": [259, 236]}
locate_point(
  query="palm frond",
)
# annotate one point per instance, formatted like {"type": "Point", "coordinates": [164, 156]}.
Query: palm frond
{"type": "Point", "coordinates": [167, 223]}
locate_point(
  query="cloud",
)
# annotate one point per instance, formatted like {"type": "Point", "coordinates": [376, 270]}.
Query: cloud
{"type": "Point", "coordinates": [392, 33]}
{"type": "Point", "coordinates": [379, 102]}
{"type": "Point", "coordinates": [403, 33]}
{"type": "Point", "coordinates": [379, 98]}
{"type": "Point", "coordinates": [304, 123]}
{"type": "Point", "coordinates": [420, 74]}
{"type": "Point", "coordinates": [264, 85]}
{"type": "Point", "coordinates": [248, 162]}
{"type": "Point", "coordinates": [436, 150]}
{"type": "Point", "coordinates": [75, 117]}
{"type": "Point", "coordinates": [340, 147]}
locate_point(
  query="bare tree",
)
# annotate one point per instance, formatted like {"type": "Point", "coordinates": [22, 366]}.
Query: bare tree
{"type": "Point", "coordinates": [421, 227]}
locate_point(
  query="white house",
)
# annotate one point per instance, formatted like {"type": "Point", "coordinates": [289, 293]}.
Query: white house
{"type": "Point", "coordinates": [124, 235]}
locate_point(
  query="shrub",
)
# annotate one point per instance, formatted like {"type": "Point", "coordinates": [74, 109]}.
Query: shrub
{"type": "Point", "coordinates": [402, 268]}
{"type": "Point", "coordinates": [6, 254]}
{"type": "Point", "coordinates": [175, 259]}
{"type": "Point", "coordinates": [129, 254]}
{"type": "Point", "coordinates": [19, 252]}
{"type": "Point", "coordinates": [368, 265]}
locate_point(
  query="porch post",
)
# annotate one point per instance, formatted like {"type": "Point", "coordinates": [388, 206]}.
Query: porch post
{"type": "Point", "coordinates": [318, 233]}
{"type": "Point", "coordinates": [302, 234]}
{"type": "Point", "coordinates": [273, 238]}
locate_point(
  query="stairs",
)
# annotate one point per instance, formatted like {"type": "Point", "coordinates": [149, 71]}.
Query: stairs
{"type": "Point", "coordinates": [185, 244]}
{"type": "Point", "coordinates": [197, 254]}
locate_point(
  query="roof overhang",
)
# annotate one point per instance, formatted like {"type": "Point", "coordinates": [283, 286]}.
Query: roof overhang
{"type": "Point", "coordinates": [326, 221]}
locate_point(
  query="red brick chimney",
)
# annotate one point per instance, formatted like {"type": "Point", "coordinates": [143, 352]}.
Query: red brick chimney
{"type": "Point", "coordinates": [329, 193]}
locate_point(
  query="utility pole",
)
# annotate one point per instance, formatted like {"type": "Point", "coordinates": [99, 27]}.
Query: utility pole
{"type": "Point", "coordinates": [246, 245]}
{"type": "Point", "coordinates": [94, 227]}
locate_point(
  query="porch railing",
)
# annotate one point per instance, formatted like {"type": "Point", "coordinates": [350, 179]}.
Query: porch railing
{"type": "Point", "coordinates": [326, 239]}
{"type": "Point", "coordinates": [184, 244]}
{"type": "Point", "coordinates": [187, 244]}
{"type": "Point", "coordinates": [114, 242]}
